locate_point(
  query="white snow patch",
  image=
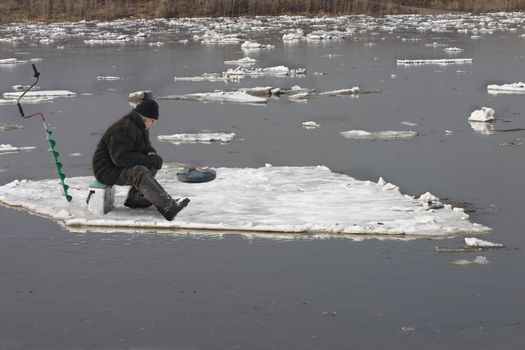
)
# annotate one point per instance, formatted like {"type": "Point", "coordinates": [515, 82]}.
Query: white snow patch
{"type": "Point", "coordinates": [378, 135]}
{"type": "Point", "coordinates": [485, 114]}
{"type": "Point", "coordinates": [202, 137]}
{"type": "Point", "coordinates": [267, 199]}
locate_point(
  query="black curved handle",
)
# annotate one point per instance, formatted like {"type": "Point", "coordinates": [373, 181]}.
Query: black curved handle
{"type": "Point", "coordinates": [36, 73]}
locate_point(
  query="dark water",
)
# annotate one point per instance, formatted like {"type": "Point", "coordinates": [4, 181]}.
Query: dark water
{"type": "Point", "coordinates": [65, 290]}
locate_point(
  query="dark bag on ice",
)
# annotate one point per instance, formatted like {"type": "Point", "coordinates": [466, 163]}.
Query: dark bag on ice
{"type": "Point", "coordinates": [193, 175]}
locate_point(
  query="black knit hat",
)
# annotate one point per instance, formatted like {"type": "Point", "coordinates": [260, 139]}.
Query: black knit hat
{"type": "Point", "coordinates": [148, 108]}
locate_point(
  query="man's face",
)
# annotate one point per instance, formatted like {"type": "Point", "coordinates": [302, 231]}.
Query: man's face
{"type": "Point", "coordinates": [149, 122]}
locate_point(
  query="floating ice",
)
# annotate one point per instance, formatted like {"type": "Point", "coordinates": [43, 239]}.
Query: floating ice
{"type": "Point", "coordinates": [202, 137]}
{"type": "Point", "coordinates": [378, 135]}
{"type": "Point", "coordinates": [40, 93]}
{"type": "Point", "coordinates": [443, 61]}
{"type": "Point", "coordinates": [485, 114]}
{"type": "Point", "coordinates": [252, 45]}
{"type": "Point", "coordinates": [107, 77]}
{"type": "Point", "coordinates": [310, 125]}
{"type": "Point", "coordinates": [137, 96]}
{"type": "Point", "coordinates": [479, 243]}
{"type": "Point", "coordinates": [453, 49]}
{"type": "Point", "coordinates": [8, 127]}
{"type": "Point", "coordinates": [246, 61]}
{"type": "Point", "coordinates": [218, 96]}
{"type": "Point", "coordinates": [296, 34]}
{"type": "Point", "coordinates": [268, 199]}
{"type": "Point", "coordinates": [479, 260]}
{"type": "Point", "coordinates": [261, 91]}
{"type": "Point", "coordinates": [277, 70]}
{"type": "Point", "coordinates": [10, 61]}
{"type": "Point", "coordinates": [10, 148]}
{"type": "Point", "coordinates": [506, 88]}
{"type": "Point", "coordinates": [352, 91]}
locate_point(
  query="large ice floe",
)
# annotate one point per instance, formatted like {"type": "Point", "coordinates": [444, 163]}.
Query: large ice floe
{"type": "Point", "coordinates": [219, 96]}
{"type": "Point", "coordinates": [295, 200]}
{"type": "Point", "coordinates": [513, 88]}
{"type": "Point", "coordinates": [201, 137]}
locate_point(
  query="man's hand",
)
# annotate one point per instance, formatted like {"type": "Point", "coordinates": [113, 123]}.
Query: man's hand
{"type": "Point", "coordinates": [153, 161]}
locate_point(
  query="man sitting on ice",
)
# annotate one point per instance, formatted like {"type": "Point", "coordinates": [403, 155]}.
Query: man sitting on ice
{"type": "Point", "coordinates": [124, 156]}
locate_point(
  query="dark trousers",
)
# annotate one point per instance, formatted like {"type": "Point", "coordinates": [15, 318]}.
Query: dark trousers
{"type": "Point", "coordinates": [131, 176]}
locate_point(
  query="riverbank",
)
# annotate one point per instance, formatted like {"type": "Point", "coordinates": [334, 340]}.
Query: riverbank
{"type": "Point", "coordinates": [69, 10]}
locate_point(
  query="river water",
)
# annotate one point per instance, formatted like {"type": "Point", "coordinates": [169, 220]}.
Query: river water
{"type": "Point", "coordinates": [93, 290]}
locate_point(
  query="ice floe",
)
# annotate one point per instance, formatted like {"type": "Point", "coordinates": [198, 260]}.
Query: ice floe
{"type": "Point", "coordinates": [378, 135]}
{"type": "Point", "coordinates": [11, 61]}
{"type": "Point", "coordinates": [7, 148]}
{"type": "Point", "coordinates": [201, 137]}
{"type": "Point", "coordinates": [479, 243]}
{"type": "Point", "coordinates": [512, 88]}
{"type": "Point", "coordinates": [219, 96]}
{"type": "Point", "coordinates": [478, 260]}
{"type": "Point", "coordinates": [267, 200]}
{"type": "Point", "coordinates": [352, 91]}
{"type": "Point", "coordinates": [483, 115]}
{"type": "Point", "coordinates": [310, 125]}
{"type": "Point", "coordinates": [41, 93]}
{"type": "Point", "coordinates": [238, 73]}
{"type": "Point", "coordinates": [245, 61]}
{"type": "Point", "coordinates": [252, 45]}
{"type": "Point", "coordinates": [262, 91]}
{"type": "Point", "coordinates": [8, 127]}
{"type": "Point", "coordinates": [107, 77]}
{"type": "Point", "coordinates": [442, 61]}
{"type": "Point", "coordinates": [453, 50]}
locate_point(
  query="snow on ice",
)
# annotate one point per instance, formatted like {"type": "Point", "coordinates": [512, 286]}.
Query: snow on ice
{"type": "Point", "coordinates": [293, 200]}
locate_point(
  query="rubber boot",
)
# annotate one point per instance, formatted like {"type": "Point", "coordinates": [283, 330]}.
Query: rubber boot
{"type": "Point", "coordinates": [166, 205]}
{"type": "Point", "coordinates": [136, 199]}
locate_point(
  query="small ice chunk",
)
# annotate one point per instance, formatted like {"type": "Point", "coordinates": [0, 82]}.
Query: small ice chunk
{"type": "Point", "coordinates": [479, 243]}
{"type": "Point", "coordinates": [485, 114]}
{"type": "Point", "coordinates": [310, 125]}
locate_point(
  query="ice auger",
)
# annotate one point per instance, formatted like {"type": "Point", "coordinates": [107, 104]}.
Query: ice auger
{"type": "Point", "coordinates": [49, 137]}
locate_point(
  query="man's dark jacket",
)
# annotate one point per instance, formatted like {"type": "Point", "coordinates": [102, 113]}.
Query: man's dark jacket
{"type": "Point", "coordinates": [124, 144]}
